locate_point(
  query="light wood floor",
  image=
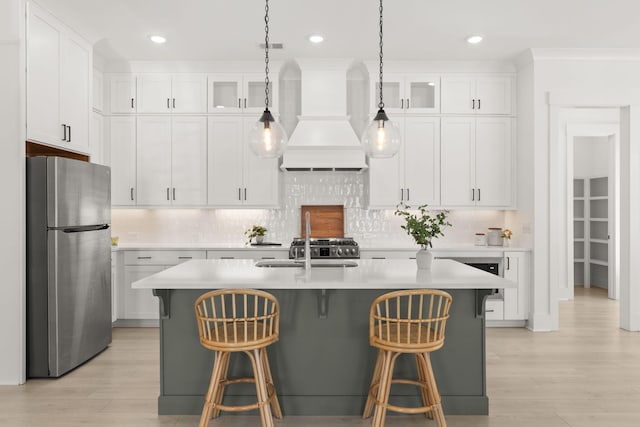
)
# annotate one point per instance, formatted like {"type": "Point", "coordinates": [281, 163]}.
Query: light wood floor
{"type": "Point", "coordinates": [587, 374]}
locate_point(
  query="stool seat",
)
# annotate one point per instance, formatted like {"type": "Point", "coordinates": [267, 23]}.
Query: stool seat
{"type": "Point", "coordinates": [413, 322]}
{"type": "Point", "coordinates": [232, 321]}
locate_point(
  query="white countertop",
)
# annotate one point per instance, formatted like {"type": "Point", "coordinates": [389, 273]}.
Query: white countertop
{"type": "Point", "coordinates": [369, 274]}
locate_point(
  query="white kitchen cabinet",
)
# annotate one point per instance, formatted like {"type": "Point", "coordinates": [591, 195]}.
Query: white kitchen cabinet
{"type": "Point", "coordinates": [171, 161]}
{"type": "Point", "coordinates": [236, 93]}
{"type": "Point", "coordinates": [413, 175]}
{"type": "Point", "coordinates": [406, 93]}
{"type": "Point", "coordinates": [140, 304]}
{"type": "Point", "coordinates": [477, 95]}
{"type": "Point", "coordinates": [164, 93]}
{"type": "Point", "coordinates": [122, 94]}
{"type": "Point", "coordinates": [59, 65]}
{"type": "Point", "coordinates": [516, 301]}
{"type": "Point", "coordinates": [122, 142]}
{"type": "Point", "coordinates": [236, 176]}
{"type": "Point", "coordinates": [476, 162]}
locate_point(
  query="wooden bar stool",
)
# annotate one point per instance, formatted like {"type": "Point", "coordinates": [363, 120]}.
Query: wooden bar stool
{"type": "Point", "coordinates": [239, 320]}
{"type": "Point", "coordinates": [408, 321]}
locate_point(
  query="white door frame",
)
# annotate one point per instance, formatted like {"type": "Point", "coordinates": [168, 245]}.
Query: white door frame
{"type": "Point", "coordinates": [628, 100]}
{"type": "Point", "coordinates": [612, 132]}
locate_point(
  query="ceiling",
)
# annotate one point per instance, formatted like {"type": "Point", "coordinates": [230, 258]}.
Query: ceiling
{"type": "Point", "coordinates": [413, 29]}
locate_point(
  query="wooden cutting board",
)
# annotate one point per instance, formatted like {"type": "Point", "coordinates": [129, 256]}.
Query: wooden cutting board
{"type": "Point", "coordinates": [326, 220]}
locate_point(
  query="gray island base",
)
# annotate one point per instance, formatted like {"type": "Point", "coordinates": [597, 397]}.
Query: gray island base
{"type": "Point", "coordinates": [322, 364]}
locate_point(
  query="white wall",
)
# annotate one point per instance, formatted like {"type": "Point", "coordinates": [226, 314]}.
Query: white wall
{"type": "Point", "coordinates": [12, 174]}
{"type": "Point", "coordinates": [602, 80]}
{"type": "Point", "coordinates": [590, 156]}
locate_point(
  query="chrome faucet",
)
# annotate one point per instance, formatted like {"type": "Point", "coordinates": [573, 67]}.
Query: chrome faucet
{"type": "Point", "coordinates": [307, 240]}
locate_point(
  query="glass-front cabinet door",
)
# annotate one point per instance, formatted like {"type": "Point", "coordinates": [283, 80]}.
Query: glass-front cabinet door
{"type": "Point", "coordinates": [254, 94]}
{"type": "Point", "coordinates": [422, 94]}
{"type": "Point", "coordinates": [392, 91]}
{"type": "Point", "coordinates": [225, 94]}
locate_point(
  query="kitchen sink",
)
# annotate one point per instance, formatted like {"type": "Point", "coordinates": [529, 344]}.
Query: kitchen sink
{"type": "Point", "coordinates": [300, 263]}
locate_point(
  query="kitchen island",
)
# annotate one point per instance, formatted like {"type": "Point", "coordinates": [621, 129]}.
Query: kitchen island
{"type": "Point", "coordinates": [322, 364]}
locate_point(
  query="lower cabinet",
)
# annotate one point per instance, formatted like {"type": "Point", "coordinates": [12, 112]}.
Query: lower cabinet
{"type": "Point", "coordinates": [135, 306]}
{"type": "Point", "coordinates": [511, 305]}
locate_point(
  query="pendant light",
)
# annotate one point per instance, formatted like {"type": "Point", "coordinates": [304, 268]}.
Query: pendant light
{"type": "Point", "coordinates": [267, 138]}
{"type": "Point", "coordinates": [381, 139]}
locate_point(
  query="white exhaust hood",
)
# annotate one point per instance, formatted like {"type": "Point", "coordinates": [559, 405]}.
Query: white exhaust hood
{"type": "Point", "coordinates": [324, 138]}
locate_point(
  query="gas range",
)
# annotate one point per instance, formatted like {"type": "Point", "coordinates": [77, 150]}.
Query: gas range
{"type": "Point", "coordinates": [342, 247]}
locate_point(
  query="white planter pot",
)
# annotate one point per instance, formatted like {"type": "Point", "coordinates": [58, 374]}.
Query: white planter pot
{"type": "Point", "coordinates": [259, 239]}
{"type": "Point", "coordinates": [424, 258]}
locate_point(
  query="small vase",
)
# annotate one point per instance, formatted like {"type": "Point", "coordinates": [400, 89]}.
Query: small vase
{"type": "Point", "coordinates": [424, 258]}
{"type": "Point", "coordinates": [259, 239]}
{"type": "Point", "coordinates": [505, 243]}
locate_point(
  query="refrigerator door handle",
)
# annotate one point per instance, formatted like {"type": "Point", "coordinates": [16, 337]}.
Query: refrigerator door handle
{"type": "Point", "coordinates": [85, 228]}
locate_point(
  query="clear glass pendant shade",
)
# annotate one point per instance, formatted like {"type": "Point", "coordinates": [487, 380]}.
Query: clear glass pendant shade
{"type": "Point", "coordinates": [267, 139]}
{"type": "Point", "coordinates": [381, 139]}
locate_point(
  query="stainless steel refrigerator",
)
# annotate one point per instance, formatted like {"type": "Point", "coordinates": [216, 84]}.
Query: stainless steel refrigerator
{"type": "Point", "coordinates": [68, 264]}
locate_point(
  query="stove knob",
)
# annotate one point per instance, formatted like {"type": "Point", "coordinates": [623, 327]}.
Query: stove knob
{"type": "Point", "coordinates": [339, 251]}
{"type": "Point", "coordinates": [301, 251]}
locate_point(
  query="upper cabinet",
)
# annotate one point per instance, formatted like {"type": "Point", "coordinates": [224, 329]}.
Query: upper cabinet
{"type": "Point", "coordinates": [476, 161]}
{"type": "Point", "coordinates": [59, 65]}
{"type": "Point", "coordinates": [407, 93]}
{"type": "Point", "coordinates": [413, 175]}
{"type": "Point", "coordinates": [122, 91]}
{"type": "Point", "coordinates": [122, 132]}
{"type": "Point", "coordinates": [164, 93]}
{"type": "Point", "coordinates": [477, 95]}
{"type": "Point", "coordinates": [238, 93]}
{"type": "Point", "coordinates": [98, 90]}
{"type": "Point", "coordinates": [236, 176]}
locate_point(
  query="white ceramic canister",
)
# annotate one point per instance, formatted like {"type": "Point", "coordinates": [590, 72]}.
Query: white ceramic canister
{"type": "Point", "coordinates": [480, 239]}
{"type": "Point", "coordinates": [494, 236]}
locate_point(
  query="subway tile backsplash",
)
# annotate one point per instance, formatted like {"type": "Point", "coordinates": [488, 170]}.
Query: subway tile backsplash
{"type": "Point", "coordinates": [370, 228]}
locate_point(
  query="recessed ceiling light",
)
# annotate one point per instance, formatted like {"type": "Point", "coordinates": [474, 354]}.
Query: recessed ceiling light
{"type": "Point", "coordinates": [157, 39]}
{"type": "Point", "coordinates": [474, 39]}
{"type": "Point", "coordinates": [316, 38]}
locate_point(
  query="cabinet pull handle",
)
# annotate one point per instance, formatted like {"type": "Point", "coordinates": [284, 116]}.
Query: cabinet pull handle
{"type": "Point", "coordinates": [508, 263]}
{"type": "Point", "coordinates": [144, 257]}
{"type": "Point", "coordinates": [185, 257]}
{"type": "Point", "coordinates": [227, 257]}
{"type": "Point", "coordinates": [131, 193]}
{"type": "Point", "coordinates": [245, 103]}
{"type": "Point", "coordinates": [64, 132]}
{"type": "Point", "coordinates": [268, 257]}
{"type": "Point", "coordinates": [174, 103]}
{"type": "Point", "coordinates": [174, 193]}
{"type": "Point", "coordinates": [408, 197]}
{"type": "Point", "coordinates": [378, 257]}
{"type": "Point", "coordinates": [489, 311]}
{"type": "Point", "coordinates": [473, 104]}
{"type": "Point", "coordinates": [402, 103]}
{"type": "Point", "coordinates": [168, 104]}
{"type": "Point", "coordinates": [239, 193]}
{"type": "Point", "coordinates": [245, 193]}
{"type": "Point", "coordinates": [478, 194]}
{"type": "Point", "coordinates": [69, 140]}
{"type": "Point", "coordinates": [473, 195]}
{"type": "Point", "coordinates": [478, 104]}
{"type": "Point", "coordinates": [239, 103]}
{"type": "Point", "coordinates": [402, 194]}
{"type": "Point", "coordinates": [408, 104]}
{"type": "Point", "coordinates": [132, 103]}
{"type": "Point", "coordinates": [168, 194]}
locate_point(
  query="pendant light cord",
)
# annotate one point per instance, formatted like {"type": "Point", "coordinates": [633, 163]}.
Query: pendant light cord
{"type": "Point", "coordinates": [381, 103]}
{"type": "Point", "coordinates": [266, 55]}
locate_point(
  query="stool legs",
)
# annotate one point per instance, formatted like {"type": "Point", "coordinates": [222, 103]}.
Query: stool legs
{"type": "Point", "coordinates": [275, 404]}
{"type": "Point", "coordinates": [224, 356]}
{"type": "Point", "coordinates": [261, 387]}
{"type": "Point", "coordinates": [434, 395]}
{"type": "Point", "coordinates": [212, 392]}
{"type": "Point", "coordinates": [382, 399]}
{"type": "Point", "coordinates": [368, 408]}
{"type": "Point", "coordinates": [422, 377]}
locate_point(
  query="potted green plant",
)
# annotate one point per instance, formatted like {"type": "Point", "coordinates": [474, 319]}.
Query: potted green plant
{"type": "Point", "coordinates": [257, 232]}
{"type": "Point", "coordinates": [423, 227]}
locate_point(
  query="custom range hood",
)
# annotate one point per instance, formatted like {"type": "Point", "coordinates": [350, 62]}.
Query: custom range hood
{"type": "Point", "coordinates": [324, 138]}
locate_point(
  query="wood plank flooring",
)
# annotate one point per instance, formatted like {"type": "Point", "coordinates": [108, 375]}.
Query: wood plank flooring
{"type": "Point", "coordinates": [587, 374]}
